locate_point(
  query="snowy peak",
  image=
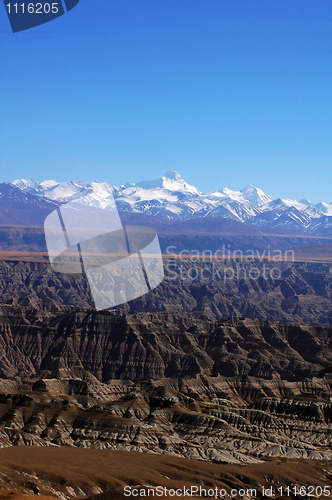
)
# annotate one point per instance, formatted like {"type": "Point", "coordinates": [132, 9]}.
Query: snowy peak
{"type": "Point", "coordinates": [231, 195]}
{"type": "Point", "coordinates": [304, 201]}
{"type": "Point", "coordinates": [171, 180]}
{"type": "Point", "coordinates": [63, 191]}
{"type": "Point", "coordinates": [325, 208]}
{"type": "Point", "coordinates": [255, 196]}
{"type": "Point", "coordinates": [88, 193]}
{"type": "Point", "coordinates": [250, 194]}
{"type": "Point", "coordinates": [27, 185]}
{"type": "Point", "coordinates": [48, 184]}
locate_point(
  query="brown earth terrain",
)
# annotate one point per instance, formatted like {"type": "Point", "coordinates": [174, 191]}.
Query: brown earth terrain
{"type": "Point", "coordinates": [298, 292]}
{"type": "Point", "coordinates": [68, 473]}
{"type": "Point", "coordinates": [228, 391]}
{"type": "Point", "coordinates": [150, 346]}
{"type": "Point", "coordinates": [206, 396]}
{"type": "Point", "coordinates": [253, 422]}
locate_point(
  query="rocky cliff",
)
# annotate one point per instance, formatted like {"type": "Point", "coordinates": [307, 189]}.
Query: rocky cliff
{"type": "Point", "coordinates": [144, 346]}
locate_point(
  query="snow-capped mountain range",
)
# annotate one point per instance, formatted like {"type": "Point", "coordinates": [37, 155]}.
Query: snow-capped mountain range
{"type": "Point", "coordinates": [171, 197]}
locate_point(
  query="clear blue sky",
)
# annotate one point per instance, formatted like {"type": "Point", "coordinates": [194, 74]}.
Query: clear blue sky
{"type": "Point", "coordinates": [227, 92]}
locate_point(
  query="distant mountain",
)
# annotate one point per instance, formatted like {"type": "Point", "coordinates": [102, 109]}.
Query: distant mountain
{"type": "Point", "coordinates": [21, 208]}
{"type": "Point", "coordinates": [171, 181]}
{"type": "Point", "coordinates": [171, 198]}
{"type": "Point", "coordinates": [255, 196]}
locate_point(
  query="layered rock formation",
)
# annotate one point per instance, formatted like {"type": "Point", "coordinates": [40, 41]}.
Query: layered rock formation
{"type": "Point", "coordinates": [228, 391]}
{"type": "Point", "coordinates": [210, 419]}
{"type": "Point", "coordinates": [142, 346]}
{"type": "Point", "coordinates": [281, 291]}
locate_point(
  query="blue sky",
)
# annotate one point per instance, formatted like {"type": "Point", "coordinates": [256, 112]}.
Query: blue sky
{"type": "Point", "coordinates": [227, 92]}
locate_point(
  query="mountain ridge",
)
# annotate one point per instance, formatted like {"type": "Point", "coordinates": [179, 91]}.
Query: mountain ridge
{"type": "Point", "coordinates": [170, 197]}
